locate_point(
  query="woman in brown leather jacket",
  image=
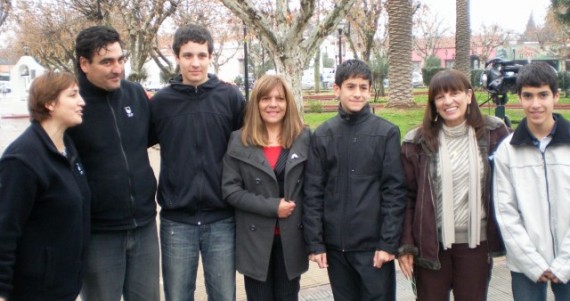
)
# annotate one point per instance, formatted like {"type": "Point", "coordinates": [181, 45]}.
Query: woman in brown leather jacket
{"type": "Point", "coordinates": [449, 231]}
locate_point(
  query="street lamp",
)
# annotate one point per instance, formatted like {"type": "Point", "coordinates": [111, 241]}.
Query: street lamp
{"type": "Point", "coordinates": [340, 27]}
{"type": "Point", "coordinates": [245, 63]}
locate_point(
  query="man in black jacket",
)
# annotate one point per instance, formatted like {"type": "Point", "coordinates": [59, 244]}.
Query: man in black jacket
{"type": "Point", "coordinates": [122, 257]}
{"type": "Point", "coordinates": [355, 193]}
{"type": "Point", "coordinates": [193, 118]}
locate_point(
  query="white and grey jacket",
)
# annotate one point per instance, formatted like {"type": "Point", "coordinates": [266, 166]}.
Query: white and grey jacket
{"type": "Point", "coordinates": [532, 201]}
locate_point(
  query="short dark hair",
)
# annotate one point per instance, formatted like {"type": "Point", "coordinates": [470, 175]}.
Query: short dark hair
{"type": "Point", "coordinates": [350, 69]}
{"type": "Point", "coordinates": [537, 74]}
{"type": "Point", "coordinates": [91, 40]}
{"type": "Point", "coordinates": [45, 89]}
{"type": "Point", "coordinates": [192, 33]}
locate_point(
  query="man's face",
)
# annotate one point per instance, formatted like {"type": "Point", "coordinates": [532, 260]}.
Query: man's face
{"type": "Point", "coordinates": [538, 105]}
{"type": "Point", "coordinates": [106, 67]}
{"type": "Point", "coordinates": [194, 60]}
{"type": "Point", "coordinates": [353, 93]}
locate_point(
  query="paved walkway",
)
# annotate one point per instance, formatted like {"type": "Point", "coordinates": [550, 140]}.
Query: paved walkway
{"type": "Point", "coordinates": [500, 288]}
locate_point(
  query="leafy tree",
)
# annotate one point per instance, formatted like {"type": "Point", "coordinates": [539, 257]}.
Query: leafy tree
{"type": "Point", "coordinates": [561, 9]}
{"type": "Point", "coordinates": [432, 62]}
{"type": "Point", "coordinates": [379, 66]}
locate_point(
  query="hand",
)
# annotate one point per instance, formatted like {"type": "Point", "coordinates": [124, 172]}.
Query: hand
{"type": "Point", "coordinates": [544, 277]}
{"type": "Point", "coordinates": [548, 275]}
{"type": "Point", "coordinates": [320, 259]}
{"type": "Point", "coordinates": [285, 208]}
{"type": "Point", "coordinates": [406, 263]}
{"type": "Point", "coordinates": [381, 257]}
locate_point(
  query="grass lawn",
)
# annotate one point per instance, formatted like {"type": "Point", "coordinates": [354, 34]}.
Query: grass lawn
{"type": "Point", "coordinates": [407, 119]}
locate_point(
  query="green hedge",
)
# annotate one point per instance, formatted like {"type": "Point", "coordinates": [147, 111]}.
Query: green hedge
{"type": "Point", "coordinates": [428, 73]}
{"type": "Point", "coordinates": [476, 77]}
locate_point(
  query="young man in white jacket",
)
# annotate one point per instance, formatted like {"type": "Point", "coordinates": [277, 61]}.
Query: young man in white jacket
{"type": "Point", "coordinates": [531, 190]}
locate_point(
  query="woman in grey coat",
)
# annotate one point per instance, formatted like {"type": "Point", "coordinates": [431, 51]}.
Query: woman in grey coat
{"type": "Point", "coordinates": [263, 180]}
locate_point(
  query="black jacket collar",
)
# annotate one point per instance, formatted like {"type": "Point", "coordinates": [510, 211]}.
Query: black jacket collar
{"type": "Point", "coordinates": [88, 88]}
{"type": "Point", "coordinates": [356, 117]}
{"type": "Point", "coordinates": [560, 134]}
{"type": "Point", "coordinates": [46, 140]}
{"type": "Point", "coordinates": [211, 83]}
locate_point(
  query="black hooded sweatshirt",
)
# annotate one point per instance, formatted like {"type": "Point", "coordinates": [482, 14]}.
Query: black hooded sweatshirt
{"type": "Point", "coordinates": [193, 126]}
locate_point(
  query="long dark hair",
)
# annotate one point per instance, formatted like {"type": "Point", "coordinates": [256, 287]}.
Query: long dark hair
{"type": "Point", "coordinates": [448, 81]}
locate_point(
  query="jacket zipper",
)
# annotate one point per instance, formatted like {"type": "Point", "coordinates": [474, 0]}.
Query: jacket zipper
{"type": "Point", "coordinates": [430, 183]}
{"type": "Point", "coordinates": [347, 173]}
{"type": "Point", "coordinates": [552, 236]}
{"type": "Point", "coordinates": [125, 159]}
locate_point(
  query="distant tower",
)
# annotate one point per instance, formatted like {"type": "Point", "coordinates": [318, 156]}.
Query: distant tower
{"type": "Point", "coordinates": [531, 29]}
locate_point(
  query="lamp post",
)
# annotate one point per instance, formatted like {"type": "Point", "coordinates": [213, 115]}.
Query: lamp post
{"type": "Point", "coordinates": [245, 63]}
{"type": "Point", "coordinates": [340, 27]}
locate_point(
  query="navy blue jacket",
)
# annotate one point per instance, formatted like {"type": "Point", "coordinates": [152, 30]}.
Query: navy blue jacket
{"type": "Point", "coordinates": [44, 219]}
{"type": "Point", "coordinates": [112, 142]}
{"type": "Point", "coordinates": [193, 126]}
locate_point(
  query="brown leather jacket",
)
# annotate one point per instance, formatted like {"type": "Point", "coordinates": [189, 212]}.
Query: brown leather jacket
{"type": "Point", "coordinates": [419, 236]}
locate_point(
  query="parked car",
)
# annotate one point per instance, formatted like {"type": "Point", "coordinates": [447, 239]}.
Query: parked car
{"type": "Point", "coordinates": [307, 82]}
{"type": "Point", "coordinates": [417, 79]}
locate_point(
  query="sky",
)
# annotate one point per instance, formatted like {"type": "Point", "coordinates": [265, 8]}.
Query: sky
{"type": "Point", "coordinates": [508, 14]}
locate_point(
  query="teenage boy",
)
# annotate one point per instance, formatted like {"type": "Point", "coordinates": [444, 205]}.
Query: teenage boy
{"type": "Point", "coordinates": [531, 191]}
{"type": "Point", "coordinates": [355, 193]}
{"type": "Point", "coordinates": [122, 255]}
{"type": "Point", "coordinates": [193, 118]}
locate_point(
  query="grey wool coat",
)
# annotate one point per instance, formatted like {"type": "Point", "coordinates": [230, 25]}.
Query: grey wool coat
{"type": "Point", "coordinates": [249, 184]}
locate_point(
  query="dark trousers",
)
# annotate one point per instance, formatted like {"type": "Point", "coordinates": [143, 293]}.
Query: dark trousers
{"type": "Point", "coordinates": [277, 287]}
{"type": "Point", "coordinates": [353, 278]}
{"type": "Point", "coordinates": [465, 271]}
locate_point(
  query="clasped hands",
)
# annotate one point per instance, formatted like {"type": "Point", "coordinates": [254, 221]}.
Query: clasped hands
{"type": "Point", "coordinates": [380, 257]}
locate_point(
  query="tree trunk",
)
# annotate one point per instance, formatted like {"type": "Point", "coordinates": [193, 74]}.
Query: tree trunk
{"type": "Point", "coordinates": [400, 54]}
{"type": "Point", "coordinates": [317, 71]}
{"type": "Point", "coordinates": [463, 38]}
{"type": "Point", "coordinates": [291, 68]}
{"type": "Point", "coordinates": [285, 35]}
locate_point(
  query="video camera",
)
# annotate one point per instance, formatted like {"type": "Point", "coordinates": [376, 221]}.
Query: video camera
{"type": "Point", "coordinates": [500, 77]}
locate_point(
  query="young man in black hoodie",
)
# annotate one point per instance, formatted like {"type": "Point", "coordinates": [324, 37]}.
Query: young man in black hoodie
{"type": "Point", "coordinates": [193, 118]}
{"type": "Point", "coordinates": [122, 257]}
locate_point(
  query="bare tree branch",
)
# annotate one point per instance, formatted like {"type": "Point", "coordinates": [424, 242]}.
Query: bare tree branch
{"type": "Point", "coordinates": [5, 8]}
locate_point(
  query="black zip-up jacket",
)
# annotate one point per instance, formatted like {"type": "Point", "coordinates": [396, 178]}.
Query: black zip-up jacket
{"type": "Point", "coordinates": [112, 142]}
{"type": "Point", "coordinates": [193, 126]}
{"type": "Point", "coordinates": [355, 190]}
{"type": "Point", "coordinates": [44, 219]}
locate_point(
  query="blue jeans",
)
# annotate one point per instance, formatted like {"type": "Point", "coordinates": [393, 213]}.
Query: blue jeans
{"type": "Point", "coordinates": [122, 263]}
{"type": "Point", "coordinates": [181, 246]}
{"type": "Point", "coordinates": [525, 289]}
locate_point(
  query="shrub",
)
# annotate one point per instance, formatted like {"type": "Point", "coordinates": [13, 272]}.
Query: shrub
{"type": "Point", "coordinates": [428, 73]}
{"type": "Point", "coordinates": [315, 106]}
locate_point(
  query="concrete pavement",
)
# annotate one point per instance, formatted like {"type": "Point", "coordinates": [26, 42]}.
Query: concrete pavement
{"type": "Point", "coordinates": [499, 289]}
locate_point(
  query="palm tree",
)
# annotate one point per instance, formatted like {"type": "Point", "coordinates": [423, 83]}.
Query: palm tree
{"type": "Point", "coordinates": [462, 37]}
{"type": "Point", "coordinates": [400, 53]}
